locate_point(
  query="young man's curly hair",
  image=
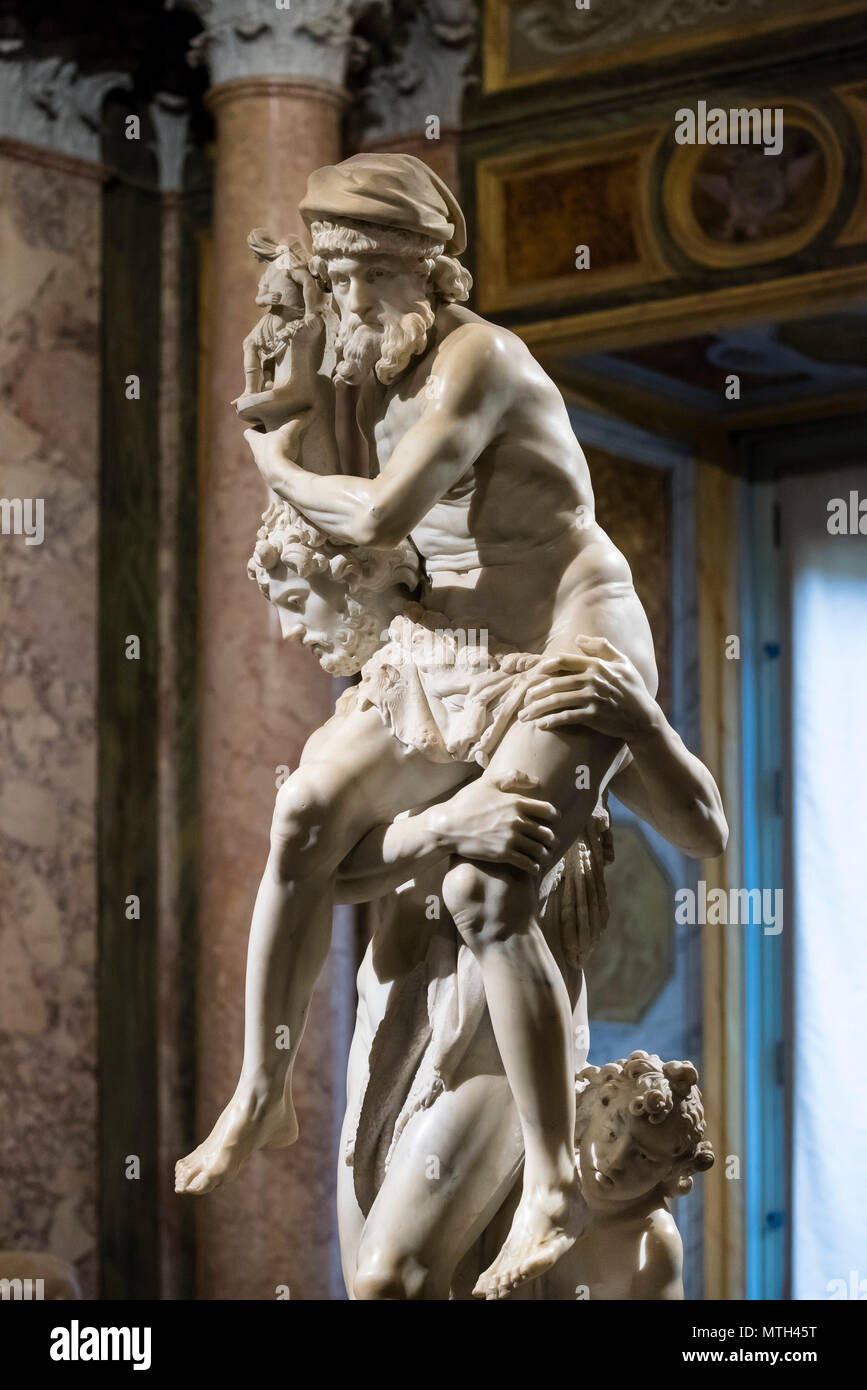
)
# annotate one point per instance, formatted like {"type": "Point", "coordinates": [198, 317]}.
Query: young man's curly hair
{"type": "Point", "coordinates": [287, 540]}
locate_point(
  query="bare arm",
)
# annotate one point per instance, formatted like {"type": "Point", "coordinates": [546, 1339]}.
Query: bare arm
{"type": "Point", "coordinates": [387, 856]}
{"type": "Point", "coordinates": [312, 293]}
{"type": "Point", "coordinates": [456, 425]}
{"type": "Point", "coordinates": [665, 784]}
{"type": "Point", "coordinates": [500, 824]}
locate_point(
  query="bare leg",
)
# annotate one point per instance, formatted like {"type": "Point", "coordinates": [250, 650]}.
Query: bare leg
{"type": "Point", "coordinates": [361, 777]}
{"type": "Point", "coordinates": [452, 1168]}
{"type": "Point", "coordinates": [372, 1002]}
{"type": "Point", "coordinates": [494, 908]}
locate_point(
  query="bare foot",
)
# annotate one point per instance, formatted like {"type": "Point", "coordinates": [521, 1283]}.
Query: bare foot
{"type": "Point", "coordinates": [246, 1124]}
{"type": "Point", "coordinates": [546, 1224]}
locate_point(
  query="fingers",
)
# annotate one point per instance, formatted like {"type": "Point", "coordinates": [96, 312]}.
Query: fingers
{"type": "Point", "coordinates": [533, 830]}
{"type": "Point", "coordinates": [520, 861]}
{"type": "Point", "coordinates": [563, 689]}
{"type": "Point", "coordinates": [523, 855]}
{"type": "Point", "coordinates": [516, 781]}
{"type": "Point", "coordinates": [537, 810]}
{"type": "Point", "coordinates": [588, 652]}
{"type": "Point", "coordinates": [576, 714]}
{"type": "Point", "coordinates": [567, 663]}
{"type": "Point", "coordinates": [584, 698]}
{"type": "Point", "coordinates": [598, 646]}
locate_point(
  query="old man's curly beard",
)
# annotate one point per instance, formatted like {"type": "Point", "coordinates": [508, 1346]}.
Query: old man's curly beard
{"type": "Point", "coordinates": [386, 349]}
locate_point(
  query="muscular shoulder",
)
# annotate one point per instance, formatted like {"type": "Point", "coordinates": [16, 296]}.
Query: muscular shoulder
{"type": "Point", "coordinates": [477, 360]}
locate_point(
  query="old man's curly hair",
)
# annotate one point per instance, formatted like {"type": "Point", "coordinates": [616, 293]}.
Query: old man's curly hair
{"type": "Point", "coordinates": [665, 1093]}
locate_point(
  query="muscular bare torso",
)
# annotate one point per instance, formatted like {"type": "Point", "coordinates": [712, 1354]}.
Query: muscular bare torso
{"type": "Point", "coordinates": [524, 506]}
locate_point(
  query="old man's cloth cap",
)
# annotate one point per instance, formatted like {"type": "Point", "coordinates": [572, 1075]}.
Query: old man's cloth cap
{"type": "Point", "coordinates": [391, 190]}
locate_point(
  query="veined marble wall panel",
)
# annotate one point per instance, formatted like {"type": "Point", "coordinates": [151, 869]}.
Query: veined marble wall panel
{"type": "Point", "coordinates": [49, 399]}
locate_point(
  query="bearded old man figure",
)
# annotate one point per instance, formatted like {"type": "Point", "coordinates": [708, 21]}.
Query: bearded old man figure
{"type": "Point", "coordinates": [475, 461]}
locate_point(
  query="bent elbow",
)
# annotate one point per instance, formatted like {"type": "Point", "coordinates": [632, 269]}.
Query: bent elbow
{"type": "Point", "coordinates": [708, 838]}
{"type": "Point", "coordinates": [375, 530]}
{"type": "Point", "coordinates": [716, 838]}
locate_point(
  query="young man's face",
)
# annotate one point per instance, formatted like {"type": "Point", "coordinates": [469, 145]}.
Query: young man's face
{"type": "Point", "coordinates": [311, 612]}
{"type": "Point", "coordinates": [623, 1156]}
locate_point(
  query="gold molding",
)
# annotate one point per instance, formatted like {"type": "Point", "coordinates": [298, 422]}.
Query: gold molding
{"type": "Point", "coordinates": [854, 98]}
{"type": "Point", "coordinates": [682, 223]}
{"type": "Point", "coordinates": [654, 321]}
{"type": "Point", "coordinates": [641, 405]}
{"type": "Point", "coordinates": [494, 290]}
{"type": "Point", "coordinates": [497, 76]}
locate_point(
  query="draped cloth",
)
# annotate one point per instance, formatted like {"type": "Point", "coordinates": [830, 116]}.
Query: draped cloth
{"type": "Point", "coordinates": [447, 689]}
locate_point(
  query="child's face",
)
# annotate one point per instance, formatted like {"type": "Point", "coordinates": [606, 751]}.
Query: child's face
{"type": "Point", "coordinates": [624, 1156]}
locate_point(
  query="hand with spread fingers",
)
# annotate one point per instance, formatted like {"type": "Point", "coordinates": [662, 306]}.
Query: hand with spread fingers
{"type": "Point", "coordinates": [501, 824]}
{"type": "Point", "coordinates": [595, 685]}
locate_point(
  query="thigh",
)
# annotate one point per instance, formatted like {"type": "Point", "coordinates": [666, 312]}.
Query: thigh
{"type": "Point", "coordinates": [451, 1170]}
{"type": "Point", "coordinates": [569, 765]}
{"type": "Point", "coordinates": [366, 775]}
{"type": "Point", "coordinates": [606, 605]}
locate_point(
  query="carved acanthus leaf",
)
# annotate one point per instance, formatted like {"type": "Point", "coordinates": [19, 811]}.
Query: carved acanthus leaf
{"type": "Point", "coordinates": [49, 102]}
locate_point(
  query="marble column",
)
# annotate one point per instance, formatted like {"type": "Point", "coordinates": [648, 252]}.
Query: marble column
{"type": "Point", "coordinates": [50, 193]}
{"type": "Point", "coordinates": [277, 98]}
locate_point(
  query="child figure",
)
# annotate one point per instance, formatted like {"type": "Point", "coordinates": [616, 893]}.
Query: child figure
{"type": "Point", "coordinates": [639, 1137]}
{"type": "Point", "coordinates": [290, 295]}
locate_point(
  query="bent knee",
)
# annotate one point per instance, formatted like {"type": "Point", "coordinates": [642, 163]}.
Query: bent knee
{"type": "Point", "coordinates": [487, 904]}
{"type": "Point", "coordinates": [385, 1276]}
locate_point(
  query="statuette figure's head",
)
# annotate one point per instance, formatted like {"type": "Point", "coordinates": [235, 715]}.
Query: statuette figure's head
{"type": "Point", "coordinates": [338, 602]}
{"type": "Point", "coordinates": [385, 232]}
{"type": "Point", "coordinates": [276, 283]}
{"type": "Point", "coordinates": [639, 1125]}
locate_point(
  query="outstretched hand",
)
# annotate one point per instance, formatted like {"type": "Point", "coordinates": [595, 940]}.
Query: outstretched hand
{"type": "Point", "coordinates": [594, 685]}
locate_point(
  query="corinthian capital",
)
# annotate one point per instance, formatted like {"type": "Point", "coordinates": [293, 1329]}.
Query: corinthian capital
{"type": "Point", "coordinates": [268, 38]}
{"type": "Point", "coordinates": [424, 73]}
{"type": "Point", "coordinates": [48, 102]}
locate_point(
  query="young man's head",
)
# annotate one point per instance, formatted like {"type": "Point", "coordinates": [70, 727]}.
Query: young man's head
{"type": "Point", "coordinates": [336, 602]}
{"type": "Point", "coordinates": [639, 1126]}
{"type": "Point", "coordinates": [382, 227]}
